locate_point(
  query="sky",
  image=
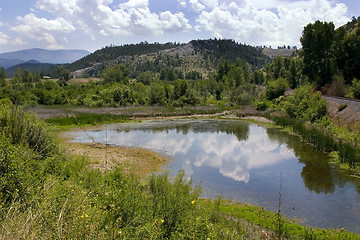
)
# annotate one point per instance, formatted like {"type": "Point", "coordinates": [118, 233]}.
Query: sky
{"type": "Point", "coordinates": [93, 24]}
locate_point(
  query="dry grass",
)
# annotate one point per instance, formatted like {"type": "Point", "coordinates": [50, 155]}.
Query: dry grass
{"type": "Point", "coordinates": [139, 161]}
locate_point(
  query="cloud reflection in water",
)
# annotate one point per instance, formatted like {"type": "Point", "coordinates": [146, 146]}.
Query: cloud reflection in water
{"type": "Point", "coordinates": [219, 150]}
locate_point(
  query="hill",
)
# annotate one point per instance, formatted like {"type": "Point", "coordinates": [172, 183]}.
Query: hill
{"type": "Point", "coordinates": [198, 55]}
{"type": "Point", "coordinates": [33, 66]}
{"type": "Point", "coordinates": [351, 26]}
{"type": "Point", "coordinates": [6, 63]}
{"type": "Point", "coordinates": [283, 52]}
{"type": "Point", "coordinates": [41, 55]}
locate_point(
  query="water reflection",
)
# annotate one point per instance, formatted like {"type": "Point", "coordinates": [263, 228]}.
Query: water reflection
{"type": "Point", "coordinates": [243, 161]}
{"type": "Point", "coordinates": [233, 149]}
{"type": "Point", "coordinates": [318, 174]}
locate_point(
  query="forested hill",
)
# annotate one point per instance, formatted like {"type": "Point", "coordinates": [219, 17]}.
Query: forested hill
{"type": "Point", "coordinates": [198, 55]}
{"type": "Point", "coordinates": [219, 50]}
{"type": "Point", "coordinates": [352, 25]}
{"type": "Point", "coordinates": [111, 53]}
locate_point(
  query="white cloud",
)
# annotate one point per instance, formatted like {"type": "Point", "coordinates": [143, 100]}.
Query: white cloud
{"type": "Point", "coordinates": [4, 39]}
{"type": "Point", "coordinates": [130, 18]}
{"type": "Point", "coordinates": [182, 3]}
{"type": "Point", "coordinates": [210, 3]}
{"type": "Point", "coordinates": [196, 6]}
{"type": "Point", "coordinates": [18, 41]}
{"type": "Point", "coordinates": [247, 22]}
{"type": "Point", "coordinates": [42, 29]}
{"type": "Point", "coordinates": [134, 4]}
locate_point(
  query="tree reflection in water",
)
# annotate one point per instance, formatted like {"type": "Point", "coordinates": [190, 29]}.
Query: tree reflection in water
{"type": "Point", "coordinates": [318, 174]}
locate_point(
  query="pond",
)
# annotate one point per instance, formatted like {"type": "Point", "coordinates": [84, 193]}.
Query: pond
{"type": "Point", "coordinates": [248, 163]}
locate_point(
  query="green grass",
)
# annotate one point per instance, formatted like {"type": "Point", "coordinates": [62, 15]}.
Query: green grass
{"type": "Point", "coordinates": [86, 119]}
{"type": "Point", "coordinates": [290, 229]}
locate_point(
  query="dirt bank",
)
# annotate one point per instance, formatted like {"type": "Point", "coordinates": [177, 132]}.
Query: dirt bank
{"type": "Point", "coordinates": [139, 161]}
{"type": "Point", "coordinates": [349, 116]}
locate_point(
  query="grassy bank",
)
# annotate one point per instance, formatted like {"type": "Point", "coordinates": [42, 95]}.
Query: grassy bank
{"type": "Point", "coordinates": [66, 116]}
{"type": "Point", "coordinates": [346, 150]}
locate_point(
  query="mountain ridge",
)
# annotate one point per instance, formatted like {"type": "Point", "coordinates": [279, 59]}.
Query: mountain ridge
{"type": "Point", "coordinates": [9, 59]}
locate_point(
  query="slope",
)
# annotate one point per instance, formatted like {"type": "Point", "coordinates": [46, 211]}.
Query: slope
{"type": "Point", "coordinates": [198, 55]}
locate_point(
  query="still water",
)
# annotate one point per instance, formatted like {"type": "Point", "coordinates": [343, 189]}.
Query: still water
{"type": "Point", "coordinates": [245, 162]}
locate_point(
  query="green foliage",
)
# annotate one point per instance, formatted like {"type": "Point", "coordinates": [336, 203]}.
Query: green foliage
{"type": "Point", "coordinates": [116, 74]}
{"type": "Point", "coordinates": [2, 73]}
{"type": "Point", "coordinates": [2, 77]}
{"type": "Point", "coordinates": [24, 129]}
{"type": "Point", "coordinates": [275, 89]}
{"type": "Point", "coordinates": [323, 139]}
{"type": "Point", "coordinates": [63, 75]}
{"type": "Point", "coordinates": [305, 104]}
{"type": "Point", "coordinates": [157, 94]}
{"type": "Point", "coordinates": [317, 41]}
{"type": "Point", "coordinates": [113, 52]}
{"type": "Point", "coordinates": [145, 77]}
{"type": "Point", "coordinates": [86, 119]}
{"type": "Point", "coordinates": [342, 107]}
{"type": "Point", "coordinates": [18, 172]}
{"type": "Point", "coordinates": [346, 48]}
{"type": "Point", "coordinates": [168, 74]}
{"type": "Point", "coordinates": [219, 50]}
{"type": "Point", "coordinates": [355, 89]}
{"type": "Point", "coordinates": [263, 105]}
{"type": "Point", "coordinates": [258, 77]}
{"type": "Point", "coordinates": [194, 75]}
{"type": "Point", "coordinates": [25, 147]}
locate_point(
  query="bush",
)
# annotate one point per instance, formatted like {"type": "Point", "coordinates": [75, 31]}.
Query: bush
{"type": "Point", "coordinates": [116, 74]}
{"type": "Point", "coordinates": [355, 89]}
{"type": "Point", "coordinates": [22, 128]}
{"type": "Point", "coordinates": [263, 105]}
{"type": "Point", "coordinates": [305, 104]}
{"type": "Point", "coordinates": [277, 88]}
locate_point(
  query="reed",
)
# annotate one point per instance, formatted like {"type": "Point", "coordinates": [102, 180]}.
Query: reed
{"type": "Point", "coordinates": [322, 139]}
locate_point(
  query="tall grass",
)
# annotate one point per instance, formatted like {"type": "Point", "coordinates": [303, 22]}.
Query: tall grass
{"type": "Point", "coordinates": [322, 139]}
{"type": "Point", "coordinates": [24, 129]}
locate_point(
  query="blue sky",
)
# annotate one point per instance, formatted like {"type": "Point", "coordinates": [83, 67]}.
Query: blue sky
{"type": "Point", "coordinates": [92, 24]}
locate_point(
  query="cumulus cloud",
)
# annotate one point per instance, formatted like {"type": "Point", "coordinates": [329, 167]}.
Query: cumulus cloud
{"type": "Point", "coordinates": [246, 21]}
{"type": "Point", "coordinates": [196, 5]}
{"type": "Point", "coordinates": [42, 29]}
{"type": "Point", "coordinates": [130, 18]}
{"type": "Point", "coordinates": [4, 39]}
{"type": "Point", "coordinates": [182, 3]}
{"type": "Point", "coordinates": [18, 41]}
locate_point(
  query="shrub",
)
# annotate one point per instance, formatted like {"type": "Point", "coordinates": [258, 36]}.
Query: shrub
{"type": "Point", "coordinates": [277, 88]}
{"type": "Point", "coordinates": [342, 107]}
{"type": "Point", "coordinates": [263, 105]}
{"type": "Point", "coordinates": [305, 104]}
{"type": "Point", "coordinates": [355, 89]}
{"type": "Point", "coordinates": [24, 129]}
